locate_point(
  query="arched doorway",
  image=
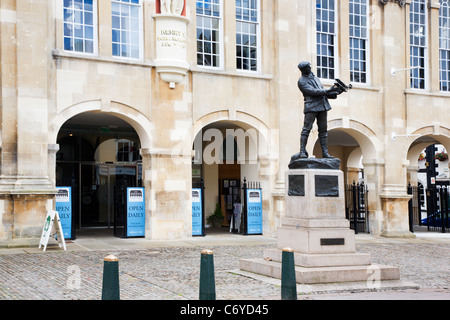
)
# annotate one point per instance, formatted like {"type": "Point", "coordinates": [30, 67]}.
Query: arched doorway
{"type": "Point", "coordinates": [226, 153]}
{"type": "Point", "coordinates": [428, 174]}
{"type": "Point", "coordinates": [98, 158]}
{"type": "Point", "coordinates": [355, 147]}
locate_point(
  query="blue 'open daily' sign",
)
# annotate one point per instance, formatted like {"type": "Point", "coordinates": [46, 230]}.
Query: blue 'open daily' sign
{"type": "Point", "coordinates": [63, 206]}
{"type": "Point", "coordinates": [254, 211]}
{"type": "Point", "coordinates": [197, 217]}
{"type": "Point", "coordinates": [135, 212]}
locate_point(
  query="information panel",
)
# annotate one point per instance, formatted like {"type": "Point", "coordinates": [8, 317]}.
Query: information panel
{"type": "Point", "coordinates": [64, 208]}
{"type": "Point", "coordinates": [52, 224]}
{"type": "Point", "coordinates": [197, 216]}
{"type": "Point", "coordinates": [135, 212]}
{"type": "Point", "coordinates": [254, 211]}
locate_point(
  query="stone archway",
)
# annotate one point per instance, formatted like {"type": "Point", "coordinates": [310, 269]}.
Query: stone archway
{"type": "Point", "coordinates": [255, 160]}
{"type": "Point", "coordinates": [121, 120]}
{"type": "Point", "coordinates": [360, 152]}
{"type": "Point", "coordinates": [139, 121]}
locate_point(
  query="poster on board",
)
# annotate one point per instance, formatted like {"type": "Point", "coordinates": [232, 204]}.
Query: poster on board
{"type": "Point", "coordinates": [135, 212]}
{"type": "Point", "coordinates": [197, 214]}
{"type": "Point", "coordinates": [254, 211]}
{"type": "Point", "coordinates": [63, 206]}
{"type": "Point", "coordinates": [52, 227]}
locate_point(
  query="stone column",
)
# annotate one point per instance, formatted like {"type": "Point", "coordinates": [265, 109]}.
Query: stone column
{"type": "Point", "coordinates": [393, 193]}
{"type": "Point", "coordinates": [8, 93]}
{"type": "Point", "coordinates": [147, 179]}
{"type": "Point", "coordinates": [374, 177]}
{"type": "Point", "coordinates": [32, 96]}
{"type": "Point", "coordinates": [168, 189]}
{"type": "Point", "coordinates": [25, 183]}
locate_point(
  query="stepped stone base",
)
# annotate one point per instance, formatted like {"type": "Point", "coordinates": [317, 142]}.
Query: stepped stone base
{"type": "Point", "coordinates": [316, 229]}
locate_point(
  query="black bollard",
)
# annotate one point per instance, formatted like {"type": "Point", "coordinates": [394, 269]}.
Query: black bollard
{"type": "Point", "coordinates": [110, 289]}
{"type": "Point", "coordinates": [288, 280]}
{"type": "Point", "coordinates": [207, 280]}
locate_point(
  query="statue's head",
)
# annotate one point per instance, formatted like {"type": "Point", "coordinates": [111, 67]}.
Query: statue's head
{"type": "Point", "coordinates": [305, 67]}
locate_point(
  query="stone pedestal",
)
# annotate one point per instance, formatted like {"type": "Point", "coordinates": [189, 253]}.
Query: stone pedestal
{"type": "Point", "coordinates": [316, 229]}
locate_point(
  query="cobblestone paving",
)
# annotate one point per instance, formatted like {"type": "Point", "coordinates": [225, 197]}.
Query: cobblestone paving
{"type": "Point", "coordinates": [427, 265]}
{"type": "Point", "coordinates": [173, 273]}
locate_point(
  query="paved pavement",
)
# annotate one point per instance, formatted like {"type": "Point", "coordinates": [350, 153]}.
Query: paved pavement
{"type": "Point", "coordinates": [169, 270]}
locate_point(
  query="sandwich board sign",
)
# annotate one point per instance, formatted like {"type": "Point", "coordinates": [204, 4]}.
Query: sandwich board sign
{"type": "Point", "coordinates": [64, 207]}
{"type": "Point", "coordinates": [254, 211]}
{"type": "Point", "coordinates": [135, 212]}
{"type": "Point", "coordinates": [197, 215]}
{"type": "Point", "coordinates": [52, 224]}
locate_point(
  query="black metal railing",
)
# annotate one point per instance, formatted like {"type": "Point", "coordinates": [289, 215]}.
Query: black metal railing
{"type": "Point", "coordinates": [436, 208]}
{"type": "Point", "coordinates": [356, 208]}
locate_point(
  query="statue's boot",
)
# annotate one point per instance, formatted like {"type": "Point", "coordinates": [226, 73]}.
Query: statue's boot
{"type": "Point", "coordinates": [324, 145]}
{"type": "Point", "coordinates": [303, 141]}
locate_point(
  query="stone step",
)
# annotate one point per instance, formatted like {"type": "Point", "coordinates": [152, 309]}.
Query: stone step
{"type": "Point", "coordinates": [321, 260]}
{"type": "Point", "coordinates": [369, 273]}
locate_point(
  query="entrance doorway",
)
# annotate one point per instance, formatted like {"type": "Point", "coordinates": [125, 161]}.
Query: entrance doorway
{"type": "Point", "coordinates": [226, 152]}
{"type": "Point", "coordinates": [99, 159]}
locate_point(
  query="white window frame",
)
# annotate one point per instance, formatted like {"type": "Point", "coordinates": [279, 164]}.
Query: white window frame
{"type": "Point", "coordinates": [362, 38]}
{"type": "Point", "coordinates": [413, 46]}
{"type": "Point", "coordinates": [220, 41]}
{"type": "Point", "coordinates": [319, 34]}
{"type": "Point", "coordinates": [72, 26]}
{"type": "Point", "coordinates": [444, 45]}
{"type": "Point", "coordinates": [121, 144]}
{"type": "Point", "coordinates": [121, 31]}
{"type": "Point", "coordinates": [257, 23]}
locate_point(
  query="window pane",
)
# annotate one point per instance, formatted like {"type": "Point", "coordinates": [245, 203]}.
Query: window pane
{"type": "Point", "coordinates": [126, 24]}
{"type": "Point", "coordinates": [418, 43]}
{"type": "Point", "coordinates": [444, 45]}
{"type": "Point", "coordinates": [325, 30]}
{"type": "Point", "coordinates": [247, 33]}
{"type": "Point", "coordinates": [358, 40]}
{"type": "Point", "coordinates": [79, 25]}
{"type": "Point", "coordinates": [208, 32]}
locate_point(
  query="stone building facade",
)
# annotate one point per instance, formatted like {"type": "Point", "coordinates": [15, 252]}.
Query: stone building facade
{"type": "Point", "coordinates": [103, 94]}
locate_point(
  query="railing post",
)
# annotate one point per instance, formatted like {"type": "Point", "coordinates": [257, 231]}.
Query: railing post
{"type": "Point", "coordinates": [410, 208]}
{"type": "Point", "coordinates": [355, 208]}
{"type": "Point", "coordinates": [446, 195]}
{"type": "Point", "coordinates": [244, 212]}
{"type": "Point", "coordinates": [203, 207]}
{"type": "Point", "coordinates": [442, 195]}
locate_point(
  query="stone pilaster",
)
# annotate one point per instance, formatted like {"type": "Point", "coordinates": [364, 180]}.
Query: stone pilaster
{"type": "Point", "coordinates": [393, 193]}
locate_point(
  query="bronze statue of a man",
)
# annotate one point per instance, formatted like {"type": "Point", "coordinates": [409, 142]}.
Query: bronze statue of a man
{"type": "Point", "coordinates": [316, 107]}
